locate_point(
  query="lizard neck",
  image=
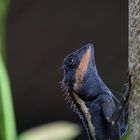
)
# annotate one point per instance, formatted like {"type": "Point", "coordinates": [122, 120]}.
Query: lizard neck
{"type": "Point", "coordinates": [92, 85]}
{"type": "Point", "coordinates": [86, 117]}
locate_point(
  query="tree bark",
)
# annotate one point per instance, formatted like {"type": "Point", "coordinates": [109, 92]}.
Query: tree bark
{"type": "Point", "coordinates": [134, 68]}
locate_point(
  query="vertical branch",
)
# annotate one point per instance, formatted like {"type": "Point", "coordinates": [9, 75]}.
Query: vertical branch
{"type": "Point", "coordinates": [134, 67]}
{"type": "Point", "coordinates": [7, 121]}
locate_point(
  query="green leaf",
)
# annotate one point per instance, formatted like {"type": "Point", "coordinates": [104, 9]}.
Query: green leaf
{"type": "Point", "coordinates": [7, 121]}
{"type": "Point", "coordinates": [53, 131]}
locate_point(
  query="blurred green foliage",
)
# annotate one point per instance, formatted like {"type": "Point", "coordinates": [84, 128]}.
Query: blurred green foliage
{"type": "Point", "coordinates": [53, 131]}
{"type": "Point", "coordinates": [7, 122]}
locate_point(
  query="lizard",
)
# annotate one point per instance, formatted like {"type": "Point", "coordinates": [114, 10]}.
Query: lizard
{"type": "Point", "coordinates": [103, 111]}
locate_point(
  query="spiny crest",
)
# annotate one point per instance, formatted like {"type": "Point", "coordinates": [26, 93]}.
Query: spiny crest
{"type": "Point", "coordinates": [69, 100]}
{"type": "Point", "coordinates": [67, 96]}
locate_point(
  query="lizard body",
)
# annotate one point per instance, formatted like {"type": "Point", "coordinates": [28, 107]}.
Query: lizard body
{"type": "Point", "coordinates": [96, 105]}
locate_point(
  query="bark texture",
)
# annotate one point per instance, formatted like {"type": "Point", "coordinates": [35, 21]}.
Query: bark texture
{"type": "Point", "coordinates": [134, 67]}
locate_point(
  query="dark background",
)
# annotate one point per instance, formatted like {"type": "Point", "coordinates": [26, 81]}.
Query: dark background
{"type": "Point", "coordinates": [41, 33]}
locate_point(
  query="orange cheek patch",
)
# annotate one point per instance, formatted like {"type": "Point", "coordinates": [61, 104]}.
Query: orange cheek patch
{"type": "Point", "coordinates": [82, 68]}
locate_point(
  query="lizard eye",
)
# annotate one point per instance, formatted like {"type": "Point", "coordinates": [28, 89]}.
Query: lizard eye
{"type": "Point", "coordinates": [71, 62]}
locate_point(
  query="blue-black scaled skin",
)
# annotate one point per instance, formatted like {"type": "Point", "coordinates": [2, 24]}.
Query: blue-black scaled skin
{"type": "Point", "coordinates": [84, 86]}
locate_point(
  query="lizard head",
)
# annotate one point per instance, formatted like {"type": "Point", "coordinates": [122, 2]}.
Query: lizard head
{"type": "Point", "coordinates": [78, 69]}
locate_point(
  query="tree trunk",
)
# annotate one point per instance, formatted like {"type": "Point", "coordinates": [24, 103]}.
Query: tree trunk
{"type": "Point", "coordinates": [134, 67]}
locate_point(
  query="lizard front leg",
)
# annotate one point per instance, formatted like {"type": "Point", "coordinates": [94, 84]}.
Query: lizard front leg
{"type": "Point", "coordinates": [122, 106]}
{"type": "Point", "coordinates": [120, 114]}
{"type": "Point", "coordinates": [102, 108]}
